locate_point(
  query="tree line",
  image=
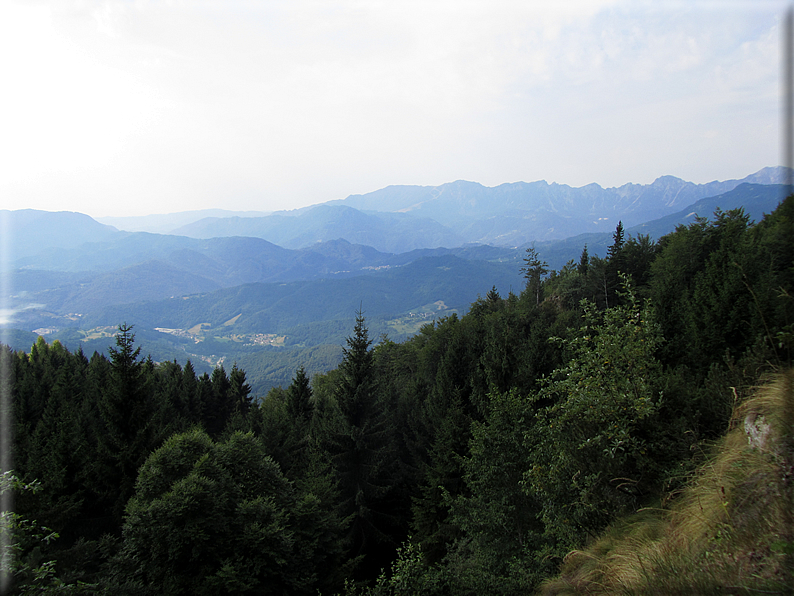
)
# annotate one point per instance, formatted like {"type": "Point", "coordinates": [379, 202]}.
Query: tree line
{"type": "Point", "coordinates": [467, 459]}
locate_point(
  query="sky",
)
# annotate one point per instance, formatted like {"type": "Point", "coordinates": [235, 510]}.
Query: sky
{"type": "Point", "coordinates": [132, 107]}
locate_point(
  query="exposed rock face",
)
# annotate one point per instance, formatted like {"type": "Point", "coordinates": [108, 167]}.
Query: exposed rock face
{"type": "Point", "coordinates": [757, 430]}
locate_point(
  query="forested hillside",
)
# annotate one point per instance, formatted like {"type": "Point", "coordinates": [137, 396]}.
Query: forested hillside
{"type": "Point", "coordinates": [468, 459]}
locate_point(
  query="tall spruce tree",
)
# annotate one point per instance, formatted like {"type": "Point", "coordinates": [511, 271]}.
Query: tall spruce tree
{"type": "Point", "coordinates": [447, 414]}
{"type": "Point", "coordinates": [239, 390]}
{"type": "Point", "coordinates": [299, 410]}
{"type": "Point", "coordinates": [128, 415]}
{"type": "Point", "coordinates": [217, 406]}
{"type": "Point", "coordinates": [615, 264]}
{"type": "Point", "coordinates": [617, 241]}
{"type": "Point", "coordinates": [362, 448]}
{"type": "Point", "coordinates": [534, 269]}
{"type": "Point", "coordinates": [584, 261]}
{"type": "Point", "coordinates": [299, 396]}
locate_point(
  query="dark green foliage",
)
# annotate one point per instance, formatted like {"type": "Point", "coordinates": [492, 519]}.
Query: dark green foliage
{"type": "Point", "coordinates": [299, 398]}
{"type": "Point", "coordinates": [239, 390]}
{"type": "Point", "coordinates": [615, 264]}
{"type": "Point", "coordinates": [54, 441]}
{"type": "Point", "coordinates": [447, 412]}
{"type": "Point", "coordinates": [534, 270]}
{"type": "Point", "coordinates": [503, 542]}
{"type": "Point", "coordinates": [724, 285]}
{"type": "Point", "coordinates": [613, 252]}
{"type": "Point", "coordinates": [637, 255]}
{"type": "Point", "coordinates": [361, 442]}
{"type": "Point", "coordinates": [441, 476]}
{"type": "Point", "coordinates": [220, 518]}
{"type": "Point", "coordinates": [590, 457]}
{"type": "Point", "coordinates": [23, 568]}
{"type": "Point", "coordinates": [496, 512]}
{"type": "Point", "coordinates": [721, 301]}
{"type": "Point", "coordinates": [84, 427]}
{"type": "Point", "coordinates": [598, 279]}
{"type": "Point", "coordinates": [129, 417]}
{"type": "Point", "coordinates": [493, 295]}
{"type": "Point", "coordinates": [584, 261]}
{"type": "Point", "coordinates": [299, 442]}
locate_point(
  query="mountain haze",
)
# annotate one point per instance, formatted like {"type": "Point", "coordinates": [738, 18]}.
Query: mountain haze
{"type": "Point", "coordinates": [36, 232]}
{"type": "Point", "coordinates": [165, 223]}
{"type": "Point", "coordinates": [387, 232]}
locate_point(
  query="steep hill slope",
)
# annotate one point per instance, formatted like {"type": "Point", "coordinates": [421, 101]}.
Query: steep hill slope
{"type": "Point", "coordinates": [730, 532]}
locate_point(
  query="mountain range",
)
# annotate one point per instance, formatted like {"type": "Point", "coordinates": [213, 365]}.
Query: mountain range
{"type": "Point", "coordinates": [247, 286]}
{"type": "Point", "coordinates": [403, 218]}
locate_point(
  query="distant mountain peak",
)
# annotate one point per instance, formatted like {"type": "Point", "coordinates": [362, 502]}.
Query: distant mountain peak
{"type": "Point", "coordinates": [668, 179]}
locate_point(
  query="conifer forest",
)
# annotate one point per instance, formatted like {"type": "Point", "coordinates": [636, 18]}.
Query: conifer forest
{"type": "Point", "coordinates": [548, 441]}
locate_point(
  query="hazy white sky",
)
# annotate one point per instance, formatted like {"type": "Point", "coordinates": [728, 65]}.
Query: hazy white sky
{"type": "Point", "coordinates": [114, 107]}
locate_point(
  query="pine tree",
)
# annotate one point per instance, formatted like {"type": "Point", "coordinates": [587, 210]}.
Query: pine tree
{"type": "Point", "coordinates": [239, 391]}
{"type": "Point", "coordinates": [584, 261]}
{"type": "Point", "coordinates": [615, 264]}
{"type": "Point", "coordinates": [362, 451]}
{"type": "Point", "coordinates": [617, 242]}
{"type": "Point", "coordinates": [217, 407]}
{"type": "Point", "coordinates": [299, 398]}
{"type": "Point", "coordinates": [297, 441]}
{"type": "Point", "coordinates": [190, 400]}
{"type": "Point", "coordinates": [534, 269]}
{"type": "Point", "coordinates": [447, 413]}
{"type": "Point", "coordinates": [55, 456]}
{"type": "Point", "coordinates": [127, 411]}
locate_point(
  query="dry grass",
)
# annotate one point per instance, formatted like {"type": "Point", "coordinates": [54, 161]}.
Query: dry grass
{"type": "Point", "coordinates": [729, 532]}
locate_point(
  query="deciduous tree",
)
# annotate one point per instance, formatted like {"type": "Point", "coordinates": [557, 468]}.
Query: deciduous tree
{"type": "Point", "coordinates": [590, 457]}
